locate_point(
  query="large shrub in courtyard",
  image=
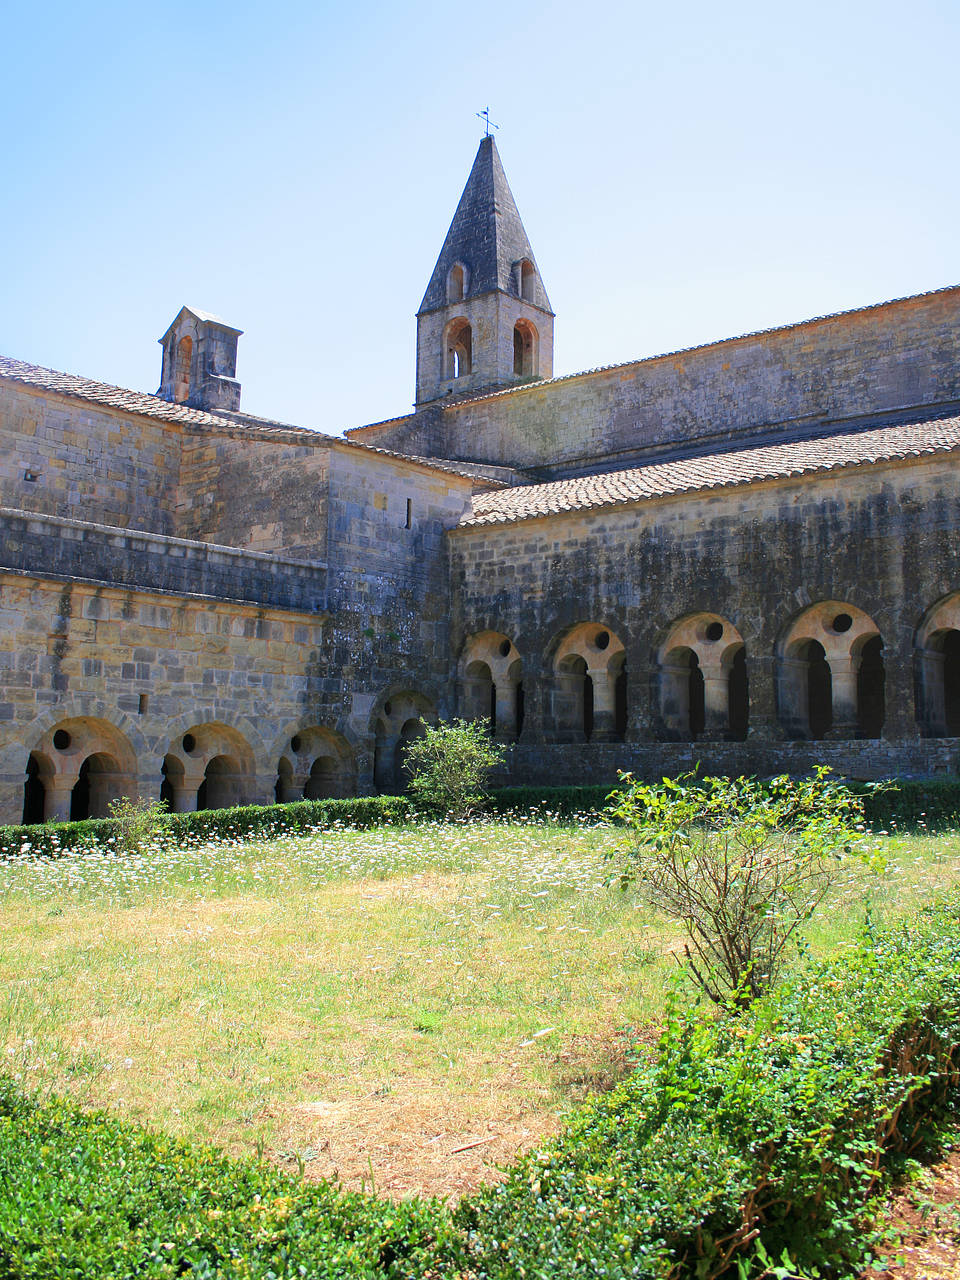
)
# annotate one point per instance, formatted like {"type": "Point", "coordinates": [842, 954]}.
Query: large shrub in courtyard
{"type": "Point", "coordinates": [741, 864]}
{"type": "Point", "coordinates": [449, 767]}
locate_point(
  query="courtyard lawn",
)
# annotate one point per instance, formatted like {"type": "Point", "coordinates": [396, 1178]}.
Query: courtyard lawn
{"type": "Point", "coordinates": [408, 1006]}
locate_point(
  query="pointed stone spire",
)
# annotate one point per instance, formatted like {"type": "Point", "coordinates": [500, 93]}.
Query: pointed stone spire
{"type": "Point", "coordinates": [486, 235]}
{"type": "Point", "coordinates": [485, 320]}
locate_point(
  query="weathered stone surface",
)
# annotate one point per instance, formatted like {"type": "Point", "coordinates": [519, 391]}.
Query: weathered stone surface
{"type": "Point", "coordinates": [745, 555]}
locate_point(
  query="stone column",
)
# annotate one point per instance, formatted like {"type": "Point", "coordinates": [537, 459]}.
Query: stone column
{"type": "Point", "coordinates": [536, 708]}
{"type": "Point", "coordinates": [11, 798]}
{"type": "Point", "coordinates": [56, 802]}
{"type": "Point", "coordinates": [767, 677]}
{"type": "Point", "coordinates": [257, 789]}
{"type": "Point", "coordinates": [843, 674]}
{"type": "Point", "coordinates": [506, 726]}
{"type": "Point", "coordinates": [184, 795]}
{"type": "Point", "coordinates": [604, 711]}
{"type": "Point", "coordinates": [716, 702]}
{"type": "Point", "coordinates": [932, 708]}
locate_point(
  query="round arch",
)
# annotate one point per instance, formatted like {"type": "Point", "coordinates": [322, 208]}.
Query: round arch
{"type": "Point", "coordinates": [491, 683]}
{"type": "Point", "coordinates": [702, 676]}
{"type": "Point", "coordinates": [589, 693]}
{"type": "Point", "coordinates": [830, 675]}
{"type": "Point", "coordinates": [937, 658]}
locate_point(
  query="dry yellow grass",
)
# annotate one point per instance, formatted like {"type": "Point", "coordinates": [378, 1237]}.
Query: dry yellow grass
{"type": "Point", "coordinates": [413, 1006]}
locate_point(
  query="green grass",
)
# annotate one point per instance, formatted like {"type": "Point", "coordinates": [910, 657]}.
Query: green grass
{"type": "Point", "coordinates": [403, 1004]}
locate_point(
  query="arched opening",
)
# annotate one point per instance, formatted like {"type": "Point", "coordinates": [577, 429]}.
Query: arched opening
{"type": "Point", "coordinates": [871, 679]}
{"type": "Point", "coordinates": [571, 688]}
{"type": "Point", "coordinates": [456, 283]}
{"type": "Point", "coordinates": [283, 788]}
{"type": "Point", "coordinates": [221, 784]}
{"type": "Point", "coordinates": [938, 669]}
{"type": "Point", "coordinates": [458, 359]}
{"type": "Point", "coordinates": [402, 717]}
{"type": "Point", "coordinates": [480, 693]}
{"type": "Point", "coordinates": [490, 674]}
{"type": "Point", "coordinates": [34, 793]}
{"type": "Point", "coordinates": [819, 689]}
{"type": "Point", "coordinates": [409, 732]}
{"type": "Point", "coordinates": [172, 784]}
{"type": "Point", "coordinates": [703, 680]}
{"type": "Point", "coordinates": [324, 781]}
{"type": "Point", "coordinates": [524, 349]}
{"type": "Point", "coordinates": [696, 697]}
{"type": "Point", "coordinates": [528, 280]}
{"type": "Point", "coordinates": [950, 648]}
{"type": "Point", "coordinates": [738, 696]}
{"type": "Point", "coordinates": [96, 785]}
{"type": "Point", "coordinates": [587, 665]}
{"type": "Point", "coordinates": [181, 387]}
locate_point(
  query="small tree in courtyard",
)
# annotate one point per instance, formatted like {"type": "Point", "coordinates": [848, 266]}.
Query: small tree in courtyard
{"type": "Point", "coordinates": [449, 767]}
{"type": "Point", "coordinates": [741, 864]}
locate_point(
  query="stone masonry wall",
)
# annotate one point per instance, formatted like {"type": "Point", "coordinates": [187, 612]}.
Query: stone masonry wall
{"type": "Point", "coordinates": [90, 462]}
{"type": "Point", "coordinates": [881, 539]}
{"type": "Point", "coordinates": [117, 557]}
{"type": "Point", "coordinates": [884, 358]}
{"type": "Point", "coordinates": [246, 490]}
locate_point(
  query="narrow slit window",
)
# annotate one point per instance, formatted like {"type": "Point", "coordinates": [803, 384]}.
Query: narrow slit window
{"type": "Point", "coordinates": [409, 520]}
{"type": "Point", "coordinates": [142, 708]}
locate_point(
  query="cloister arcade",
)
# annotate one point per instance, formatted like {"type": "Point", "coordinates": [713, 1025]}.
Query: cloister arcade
{"type": "Point", "coordinates": [76, 769]}
{"type": "Point", "coordinates": [492, 684]}
{"type": "Point", "coordinates": [938, 669]}
{"type": "Point", "coordinates": [828, 672]}
{"type": "Point", "coordinates": [589, 693]}
{"type": "Point", "coordinates": [703, 680]}
{"type": "Point", "coordinates": [399, 719]}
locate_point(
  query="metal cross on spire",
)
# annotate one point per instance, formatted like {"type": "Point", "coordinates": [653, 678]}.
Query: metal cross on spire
{"type": "Point", "coordinates": [484, 115]}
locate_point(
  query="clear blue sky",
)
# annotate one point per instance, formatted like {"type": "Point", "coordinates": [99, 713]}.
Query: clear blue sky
{"type": "Point", "coordinates": [684, 172]}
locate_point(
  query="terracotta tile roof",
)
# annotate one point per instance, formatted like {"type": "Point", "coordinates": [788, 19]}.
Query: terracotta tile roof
{"type": "Point", "coordinates": [779, 460]}
{"type": "Point", "coordinates": [148, 406]}
{"type": "Point", "coordinates": [139, 402]}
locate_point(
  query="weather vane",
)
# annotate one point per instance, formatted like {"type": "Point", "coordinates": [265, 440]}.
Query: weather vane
{"type": "Point", "coordinates": [484, 115]}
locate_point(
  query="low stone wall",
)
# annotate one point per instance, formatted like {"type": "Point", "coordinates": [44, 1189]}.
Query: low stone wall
{"type": "Point", "coordinates": [571, 764]}
{"type": "Point", "coordinates": [74, 549]}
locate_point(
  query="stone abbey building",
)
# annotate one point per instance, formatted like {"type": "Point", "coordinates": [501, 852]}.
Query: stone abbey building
{"type": "Point", "coordinates": [745, 554]}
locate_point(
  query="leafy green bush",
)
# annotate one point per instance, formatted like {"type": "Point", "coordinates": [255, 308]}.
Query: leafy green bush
{"type": "Point", "coordinates": [87, 1197]}
{"type": "Point", "coordinates": [449, 767]}
{"type": "Point", "coordinates": [741, 864]}
{"type": "Point", "coordinates": [751, 1137]}
{"type": "Point", "coordinates": [135, 821]}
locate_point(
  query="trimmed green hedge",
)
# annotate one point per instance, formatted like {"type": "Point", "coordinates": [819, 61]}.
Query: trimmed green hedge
{"type": "Point", "coordinates": [933, 803]}
{"type": "Point", "coordinates": [86, 1197]}
{"type": "Point", "coordinates": [926, 802]}
{"type": "Point", "coordinates": [560, 802]}
{"type": "Point", "coordinates": [751, 1137]}
{"type": "Point", "coordinates": [193, 828]}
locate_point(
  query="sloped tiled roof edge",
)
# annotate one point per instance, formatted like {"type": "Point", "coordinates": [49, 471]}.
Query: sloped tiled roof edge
{"type": "Point", "coordinates": [705, 472]}
{"type": "Point", "coordinates": [148, 406]}
{"type": "Point", "coordinates": [451, 402]}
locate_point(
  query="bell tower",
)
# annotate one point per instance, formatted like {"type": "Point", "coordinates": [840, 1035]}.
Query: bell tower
{"type": "Point", "coordinates": [485, 321]}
